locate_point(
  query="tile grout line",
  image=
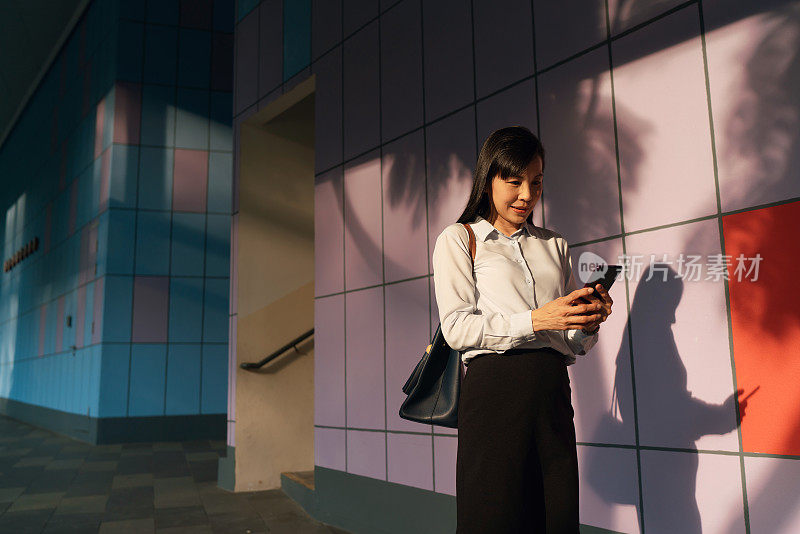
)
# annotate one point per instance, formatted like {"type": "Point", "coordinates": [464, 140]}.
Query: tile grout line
{"type": "Point", "coordinates": [726, 286]}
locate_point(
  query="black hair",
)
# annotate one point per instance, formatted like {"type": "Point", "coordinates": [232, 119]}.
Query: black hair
{"type": "Point", "coordinates": [506, 152]}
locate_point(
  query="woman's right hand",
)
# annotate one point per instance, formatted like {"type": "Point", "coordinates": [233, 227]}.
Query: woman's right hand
{"type": "Point", "coordinates": [563, 314]}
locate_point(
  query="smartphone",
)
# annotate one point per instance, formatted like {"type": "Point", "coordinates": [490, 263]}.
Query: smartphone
{"type": "Point", "coordinates": [607, 280]}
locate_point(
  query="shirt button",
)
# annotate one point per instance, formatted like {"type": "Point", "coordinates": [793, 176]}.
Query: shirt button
{"type": "Point", "coordinates": [528, 280]}
{"type": "Point", "coordinates": [519, 261]}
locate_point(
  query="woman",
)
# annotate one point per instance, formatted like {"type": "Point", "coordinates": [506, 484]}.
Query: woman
{"type": "Point", "coordinates": [518, 318]}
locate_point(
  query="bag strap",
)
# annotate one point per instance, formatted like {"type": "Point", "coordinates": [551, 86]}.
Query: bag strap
{"type": "Point", "coordinates": [471, 241]}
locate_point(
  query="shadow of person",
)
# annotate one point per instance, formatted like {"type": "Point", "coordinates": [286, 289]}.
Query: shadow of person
{"type": "Point", "coordinates": [668, 414]}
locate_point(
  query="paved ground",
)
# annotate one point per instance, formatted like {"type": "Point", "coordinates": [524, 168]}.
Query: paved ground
{"type": "Point", "coordinates": [49, 483]}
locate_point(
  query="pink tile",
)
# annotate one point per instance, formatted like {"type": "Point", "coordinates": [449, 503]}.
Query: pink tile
{"type": "Point", "coordinates": [234, 298]}
{"type": "Point", "coordinates": [662, 111]}
{"type": "Point", "coordinates": [755, 128]}
{"type": "Point", "coordinates": [515, 106]}
{"type": "Point", "coordinates": [150, 309]}
{"type": "Point", "coordinates": [691, 492]}
{"type": "Point", "coordinates": [434, 326]}
{"type": "Point", "coordinates": [329, 448]}
{"type": "Point", "coordinates": [83, 271]}
{"type": "Point", "coordinates": [98, 127]}
{"type": "Point", "coordinates": [405, 234]}
{"type": "Point", "coordinates": [451, 160]}
{"type": "Point", "coordinates": [410, 460]}
{"type": "Point", "coordinates": [561, 32]}
{"type": "Point", "coordinates": [231, 434]}
{"type": "Point", "coordinates": [105, 178]}
{"type": "Point", "coordinates": [73, 206]}
{"type": "Point", "coordinates": [328, 233]}
{"type": "Point", "coordinates": [362, 222]}
{"type": "Point", "coordinates": [581, 192]}
{"type": "Point", "coordinates": [232, 366]}
{"type": "Point", "coordinates": [772, 494]}
{"type": "Point", "coordinates": [444, 464]}
{"type": "Point", "coordinates": [127, 113]}
{"type": "Point", "coordinates": [602, 390]}
{"type": "Point", "coordinates": [365, 359]}
{"type": "Point", "coordinates": [407, 309]}
{"type": "Point", "coordinates": [609, 488]}
{"type": "Point", "coordinates": [680, 344]}
{"type": "Point", "coordinates": [97, 313]}
{"type": "Point", "coordinates": [190, 180]}
{"type": "Point", "coordinates": [60, 324]}
{"type": "Point", "coordinates": [80, 316]}
{"type": "Point", "coordinates": [366, 453]}
{"type": "Point", "coordinates": [624, 15]}
{"type": "Point", "coordinates": [329, 362]}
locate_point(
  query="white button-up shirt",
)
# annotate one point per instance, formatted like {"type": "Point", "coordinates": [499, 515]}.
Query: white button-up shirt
{"type": "Point", "coordinates": [489, 310]}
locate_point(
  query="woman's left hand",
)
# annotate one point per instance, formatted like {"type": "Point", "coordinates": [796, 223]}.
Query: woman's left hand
{"type": "Point", "coordinates": [599, 296]}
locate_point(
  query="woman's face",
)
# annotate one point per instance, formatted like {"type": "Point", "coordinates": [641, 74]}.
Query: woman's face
{"type": "Point", "coordinates": [513, 198]}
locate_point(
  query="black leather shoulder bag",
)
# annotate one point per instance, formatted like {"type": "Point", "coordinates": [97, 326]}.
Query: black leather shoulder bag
{"type": "Point", "coordinates": [435, 384]}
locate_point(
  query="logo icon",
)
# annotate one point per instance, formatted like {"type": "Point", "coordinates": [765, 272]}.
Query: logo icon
{"type": "Point", "coordinates": [591, 267]}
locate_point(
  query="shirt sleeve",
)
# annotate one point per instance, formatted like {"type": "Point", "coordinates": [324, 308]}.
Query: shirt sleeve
{"type": "Point", "coordinates": [577, 341]}
{"type": "Point", "coordinates": [463, 326]}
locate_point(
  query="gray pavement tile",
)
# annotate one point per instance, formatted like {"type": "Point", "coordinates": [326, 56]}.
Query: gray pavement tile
{"type": "Point", "coordinates": [194, 529]}
{"type": "Point", "coordinates": [73, 523]}
{"type": "Point", "coordinates": [183, 516]}
{"type": "Point", "coordinates": [36, 501]}
{"type": "Point", "coordinates": [10, 494]}
{"type": "Point", "coordinates": [29, 521]}
{"type": "Point", "coordinates": [128, 526]}
{"type": "Point", "coordinates": [92, 504]}
{"type": "Point", "coordinates": [132, 481]}
{"type": "Point", "coordinates": [64, 463]}
{"type": "Point", "coordinates": [31, 461]}
{"type": "Point", "coordinates": [236, 523]}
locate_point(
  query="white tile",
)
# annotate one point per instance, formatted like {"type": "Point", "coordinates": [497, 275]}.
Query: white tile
{"type": "Point", "coordinates": [361, 92]}
{"type": "Point", "coordinates": [329, 233]}
{"type": "Point", "coordinates": [329, 448]}
{"type": "Point", "coordinates": [329, 361]}
{"type": "Point", "coordinates": [366, 400]}
{"type": "Point", "coordinates": [328, 110]}
{"type": "Point", "coordinates": [363, 247]}
{"type": "Point", "coordinates": [366, 454]}
{"type": "Point", "coordinates": [609, 488]}
{"type": "Point", "coordinates": [566, 28]}
{"type": "Point", "coordinates": [772, 494]}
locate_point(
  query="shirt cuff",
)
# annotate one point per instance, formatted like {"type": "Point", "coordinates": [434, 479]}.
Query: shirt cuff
{"type": "Point", "coordinates": [522, 326]}
{"type": "Point", "coordinates": [579, 336]}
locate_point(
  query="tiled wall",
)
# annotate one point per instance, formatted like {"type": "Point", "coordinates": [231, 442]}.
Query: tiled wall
{"type": "Point", "coordinates": [670, 128]}
{"type": "Point", "coordinates": [130, 195]}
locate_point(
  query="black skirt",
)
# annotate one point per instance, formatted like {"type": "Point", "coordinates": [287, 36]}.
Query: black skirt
{"type": "Point", "coordinates": [517, 467]}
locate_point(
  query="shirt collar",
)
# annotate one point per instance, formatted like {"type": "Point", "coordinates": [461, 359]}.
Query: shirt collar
{"type": "Point", "coordinates": [483, 228]}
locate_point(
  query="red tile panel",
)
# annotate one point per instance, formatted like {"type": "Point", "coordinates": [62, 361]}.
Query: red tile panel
{"type": "Point", "coordinates": [766, 325]}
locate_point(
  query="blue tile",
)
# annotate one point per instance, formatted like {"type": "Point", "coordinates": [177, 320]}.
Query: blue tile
{"type": "Point", "coordinates": [84, 207]}
{"type": "Point", "coordinates": [185, 309]}
{"type": "Point", "coordinates": [113, 398]}
{"type": "Point", "coordinates": [131, 9]}
{"type": "Point", "coordinates": [88, 317]}
{"type": "Point", "coordinates": [221, 120]}
{"type": "Point", "coordinates": [296, 36]}
{"type": "Point", "coordinates": [158, 115]}
{"type": "Point", "coordinates": [102, 244]}
{"type": "Point", "coordinates": [129, 52]}
{"type": "Point", "coordinates": [192, 119]}
{"type": "Point", "coordinates": [148, 377]}
{"type": "Point", "coordinates": [124, 175]}
{"type": "Point", "coordinates": [183, 379]}
{"type": "Point", "coordinates": [194, 58]}
{"type": "Point", "coordinates": [218, 245]}
{"type": "Point", "coordinates": [152, 243]}
{"type": "Point", "coordinates": [224, 16]}
{"type": "Point", "coordinates": [215, 379]}
{"type": "Point", "coordinates": [188, 242]}
{"type": "Point", "coordinates": [121, 228]}
{"type": "Point", "coordinates": [118, 304]}
{"type": "Point", "coordinates": [163, 11]}
{"type": "Point", "coordinates": [155, 178]}
{"type": "Point", "coordinates": [215, 310]}
{"type": "Point", "coordinates": [246, 6]}
{"type": "Point", "coordinates": [161, 53]}
{"type": "Point", "coordinates": [220, 171]}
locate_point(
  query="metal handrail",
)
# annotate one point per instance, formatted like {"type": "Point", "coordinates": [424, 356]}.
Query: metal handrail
{"type": "Point", "coordinates": [291, 344]}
